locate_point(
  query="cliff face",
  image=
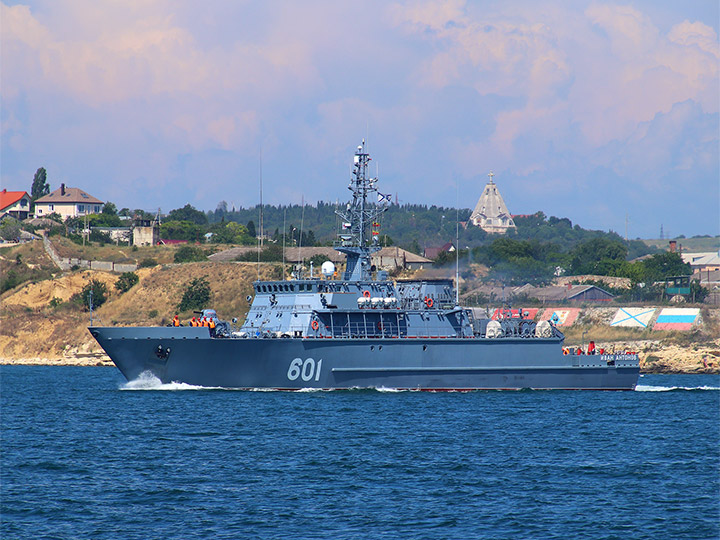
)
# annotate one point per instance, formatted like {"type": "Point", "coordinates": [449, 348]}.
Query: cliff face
{"type": "Point", "coordinates": [38, 325]}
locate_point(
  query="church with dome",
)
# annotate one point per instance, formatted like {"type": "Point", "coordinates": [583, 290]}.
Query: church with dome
{"type": "Point", "coordinates": [490, 212]}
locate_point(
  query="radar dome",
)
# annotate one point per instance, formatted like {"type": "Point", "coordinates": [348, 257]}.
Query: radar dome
{"type": "Point", "coordinates": [327, 268]}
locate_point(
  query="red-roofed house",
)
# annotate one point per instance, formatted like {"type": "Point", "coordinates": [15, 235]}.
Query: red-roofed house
{"type": "Point", "coordinates": [68, 202]}
{"type": "Point", "coordinates": [14, 203]}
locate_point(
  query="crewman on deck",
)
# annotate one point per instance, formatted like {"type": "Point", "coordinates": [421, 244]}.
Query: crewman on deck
{"type": "Point", "coordinates": [193, 322]}
{"type": "Point", "coordinates": [591, 348]}
{"type": "Point", "coordinates": [204, 322]}
{"type": "Point", "coordinates": [211, 324]}
{"type": "Point", "coordinates": [176, 321]}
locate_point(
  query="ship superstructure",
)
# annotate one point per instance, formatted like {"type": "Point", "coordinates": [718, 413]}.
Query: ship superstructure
{"type": "Point", "coordinates": [364, 331]}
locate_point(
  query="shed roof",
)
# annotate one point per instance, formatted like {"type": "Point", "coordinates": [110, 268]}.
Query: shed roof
{"type": "Point", "coordinates": [565, 293]}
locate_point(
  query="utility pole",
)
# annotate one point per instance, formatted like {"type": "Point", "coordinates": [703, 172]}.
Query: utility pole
{"type": "Point", "coordinates": [626, 227]}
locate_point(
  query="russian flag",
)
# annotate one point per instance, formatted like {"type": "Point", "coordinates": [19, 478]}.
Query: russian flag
{"type": "Point", "coordinates": [676, 319]}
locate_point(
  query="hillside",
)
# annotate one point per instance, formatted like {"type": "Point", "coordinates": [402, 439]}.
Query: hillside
{"type": "Point", "coordinates": [32, 329]}
{"type": "Point", "coordinates": [693, 245]}
{"type": "Point", "coordinates": [39, 325]}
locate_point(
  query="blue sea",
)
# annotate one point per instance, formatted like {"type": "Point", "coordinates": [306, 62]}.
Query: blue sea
{"type": "Point", "coordinates": [86, 455]}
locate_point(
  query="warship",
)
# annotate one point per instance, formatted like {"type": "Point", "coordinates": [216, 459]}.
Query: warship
{"type": "Point", "coordinates": [363, 330]}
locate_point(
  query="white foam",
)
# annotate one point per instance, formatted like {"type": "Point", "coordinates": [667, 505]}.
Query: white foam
{"type": "Point", "coordinates": [644, 388]}
{"type": "Point", "coordinates": [389, 390]}
{"type": "Point", "coordinates": [148, 381]}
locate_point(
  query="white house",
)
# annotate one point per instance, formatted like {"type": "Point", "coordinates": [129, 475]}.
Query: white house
{"type": "Point", "coordinates": [67, 202]}
{"type": "Point", "coordinates": [14, 203]}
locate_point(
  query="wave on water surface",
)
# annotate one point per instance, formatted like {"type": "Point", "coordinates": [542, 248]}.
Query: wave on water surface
{"type": "Point", "coordinates": [148, 381]}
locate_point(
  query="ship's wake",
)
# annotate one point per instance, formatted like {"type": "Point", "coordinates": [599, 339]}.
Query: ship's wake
{"type": "Point", "coordinates": [646, 388]}
{"type": "Point", "coordinates": [148, 381]}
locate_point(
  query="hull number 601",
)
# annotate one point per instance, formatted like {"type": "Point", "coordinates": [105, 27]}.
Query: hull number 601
{"type": "Point", "coordinates": [305, 369]}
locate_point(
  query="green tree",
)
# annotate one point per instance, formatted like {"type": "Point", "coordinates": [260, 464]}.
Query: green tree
{"type": "Point", "coordinates": [230, 233]}
{"type": "Point", "coordinates": [109, 209]}
{"type": "Point", "coordinates": [99, 295]}
{"type": "Point", "coordinates": [698, 292]}
{"type": "Point", "coordinates": [126, 281]}
{"type": "Point", "coordinates": [188, 213]}
{"type": "Point", "coordinates": [318, 260]}
{"type": "Point", "coordinates": [601, 256]}
{"type": "Point", "coordinates": [10, 229]}
{"type": "Point", "coordinates": [251, 229]}
{"type": "Point", "coordinates": [666, 264]}
{"type": "Point", "coordinates": [181, 230]}
{"type": "Point", "coordinates": [40, 187]}
{"type": "Point", "coordinates": [196, 296]}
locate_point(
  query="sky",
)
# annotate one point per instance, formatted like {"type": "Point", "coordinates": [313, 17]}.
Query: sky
{"type": "Point", "coordinates": [605, 113]}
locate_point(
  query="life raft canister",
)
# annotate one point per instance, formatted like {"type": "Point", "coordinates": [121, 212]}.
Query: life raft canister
{"type": "Point", "coordinates": [314, 325]}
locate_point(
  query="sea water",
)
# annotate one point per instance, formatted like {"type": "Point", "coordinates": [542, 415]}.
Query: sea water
{"type": "Point", "coordinates": [86, 455]}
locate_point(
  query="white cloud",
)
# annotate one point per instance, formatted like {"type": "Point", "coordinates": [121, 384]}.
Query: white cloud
{"type": "Point", "coordinates": [145, 94]}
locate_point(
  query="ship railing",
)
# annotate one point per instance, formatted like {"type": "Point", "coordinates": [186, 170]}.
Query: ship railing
{"type": "Point", "coordinates": [341, 327]}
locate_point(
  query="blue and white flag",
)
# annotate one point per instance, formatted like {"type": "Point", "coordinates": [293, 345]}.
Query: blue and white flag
{"type": "Point", "coordinates": [384, 198]}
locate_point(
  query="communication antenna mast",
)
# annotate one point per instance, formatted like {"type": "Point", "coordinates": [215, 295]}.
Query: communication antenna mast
{"type": "Point", "coordinates": [627, 218]}
{"type": "Point", "coordinates": [284, 221]}
{"type": "Point", "coordinates": [261, 199]}
{"type": "Point", "coordinates": [357, 218]}
{"type": "Point", "coordinates": [457, 243]}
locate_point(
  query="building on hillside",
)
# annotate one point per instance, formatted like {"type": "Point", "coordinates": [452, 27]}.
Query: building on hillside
{"type": "Point", "coordinates": [388, 258]}
{"type": "Point", "coordinates": [570, 293]}
{"type": "Point", "coordinates": [702, 261]}
{"type": "Point", "coordinates": [433, 252]}
{"type": "Point", "coordinates": [393, 258]}
{"type": "Point", "coordinates": [14, 203]}
{"type": "Point", "coordinates": [490, 213]}
{"type": "Point", "coordinates": [116, 234]}
{"type": "Point", "coordinates": [68, 202]}
{"type": "Point", "coordinates": [146, 232]}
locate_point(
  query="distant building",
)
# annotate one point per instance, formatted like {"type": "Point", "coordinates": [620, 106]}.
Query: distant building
{"type": "Point", "coordinates": [490, 213]}
{"type": "Point", "coordinates": [433, 252]}
{"type": "Point", "coordinates": [68, 202]}
{"type": "Point", "coordinates": [14, 203]}
{"type": "Point", "coordinates": [702, 261]}
{"type": "Point", "coordinates": [570, 293]}
{"type": "Point", "coordinates": [391, 258]}
{"type": "Point", "coordinates": [116, 234]}
{"type": "Point", "coordinates": [146, 232]}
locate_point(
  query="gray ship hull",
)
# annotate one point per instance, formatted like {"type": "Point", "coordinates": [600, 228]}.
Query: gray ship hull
{"type": "Point", "coordinates": [189, 355]}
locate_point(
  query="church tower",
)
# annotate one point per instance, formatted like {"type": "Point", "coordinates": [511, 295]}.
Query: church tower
{"type": "Point", "coordinates": [490, 213]}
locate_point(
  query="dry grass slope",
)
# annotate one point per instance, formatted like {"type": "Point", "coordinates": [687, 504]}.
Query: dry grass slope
{"type": "Point", "coordinates": [31, 329]}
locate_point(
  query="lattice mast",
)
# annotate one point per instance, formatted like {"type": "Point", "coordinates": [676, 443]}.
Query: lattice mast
{"type": "Point", "coordinates": [358, 218]}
